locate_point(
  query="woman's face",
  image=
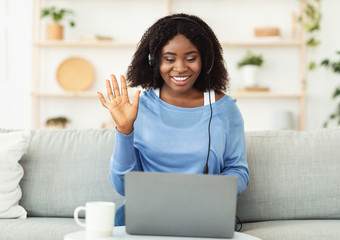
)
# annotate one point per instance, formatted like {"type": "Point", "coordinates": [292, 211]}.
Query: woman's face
{"type": "Point", "coordinates": [181, 64]}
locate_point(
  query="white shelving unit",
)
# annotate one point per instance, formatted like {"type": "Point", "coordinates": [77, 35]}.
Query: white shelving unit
{"type": "Point", "coordinates": [39, 94]}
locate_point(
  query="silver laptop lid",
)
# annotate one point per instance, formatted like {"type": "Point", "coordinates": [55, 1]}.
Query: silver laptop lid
{"type": "Point", "coordinates": [180, 204]}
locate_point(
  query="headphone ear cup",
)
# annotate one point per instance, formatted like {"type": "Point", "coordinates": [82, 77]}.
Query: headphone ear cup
{"type": "Point", "coordinates": [150, 60]}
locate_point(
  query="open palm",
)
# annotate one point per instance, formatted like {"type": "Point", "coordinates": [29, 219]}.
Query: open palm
{"type": "Point", "coordinates": [122, 111]}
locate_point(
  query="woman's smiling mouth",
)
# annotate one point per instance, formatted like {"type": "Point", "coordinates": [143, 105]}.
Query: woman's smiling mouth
{"type": "Point", "coordinates": [180, 80]}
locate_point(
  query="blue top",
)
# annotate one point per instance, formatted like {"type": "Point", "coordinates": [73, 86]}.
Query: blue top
{"type": "Point", "coordinates": [168, 138]}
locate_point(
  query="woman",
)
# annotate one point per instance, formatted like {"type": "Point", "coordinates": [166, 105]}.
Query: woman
{"type": "Point", "coordinates": [183, 122]}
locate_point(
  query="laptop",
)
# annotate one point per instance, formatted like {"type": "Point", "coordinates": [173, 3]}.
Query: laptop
{"type": "Point", "coordinates": [171, 204]}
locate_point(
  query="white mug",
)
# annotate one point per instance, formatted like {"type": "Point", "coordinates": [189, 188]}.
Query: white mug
{"type": "Point", "coordinates": [99, 218]}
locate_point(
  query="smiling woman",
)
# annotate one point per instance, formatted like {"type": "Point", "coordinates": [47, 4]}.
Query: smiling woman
{"type": "Point", "coordinates": [183, 122]}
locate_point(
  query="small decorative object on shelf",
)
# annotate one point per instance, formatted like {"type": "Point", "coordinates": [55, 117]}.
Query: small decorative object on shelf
{"type": "Point", "coordinates": [267, 33]}
{"type": "Point", "coordinates": [249, 66]}
{"type": "Point", "coordinates": [75, 74]}
{"type": "Point", "coordinates": [253, 89]}
{"type": "Point", "coordinates": [57, 122]}
{"type": "Point", "coordinates": [54, 31]}
{"type": "Point", "coordinates": [95, 37]}
{"type": "Point", "coordinates": [283, 120]}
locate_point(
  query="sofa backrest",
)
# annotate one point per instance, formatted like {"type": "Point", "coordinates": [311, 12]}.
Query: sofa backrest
{"type": "Point", "coordinates": [64, 169]}
{"type": "Point", "coordinates": [293, 175]}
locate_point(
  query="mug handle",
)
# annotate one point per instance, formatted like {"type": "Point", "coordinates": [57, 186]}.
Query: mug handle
{"type": "Point", "coordinates": [76, 217]}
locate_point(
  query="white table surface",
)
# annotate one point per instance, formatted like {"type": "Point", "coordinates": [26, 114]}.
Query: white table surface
{"type": "Point", "coordinates": [120, 233]}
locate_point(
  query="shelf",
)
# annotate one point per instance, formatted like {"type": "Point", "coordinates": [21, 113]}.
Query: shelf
{"type": "Point", "coordinates": [254, 43]}
{"type": "Point", "coordinates": [263, 43]}
{"type": "Point", "coordinates": [62, 43]}
{"type": "Point", "coordinates": [65, 94]}
{"type": "Point", "coordinates": [267, 95]}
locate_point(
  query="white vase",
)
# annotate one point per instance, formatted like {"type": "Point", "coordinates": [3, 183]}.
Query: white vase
{"type": "Point", "coordinates": [249, 73]}
{"type": "Point", "coordinates": [283, 120]}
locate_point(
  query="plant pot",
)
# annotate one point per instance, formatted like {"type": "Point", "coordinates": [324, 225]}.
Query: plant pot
{"type": "Point", "coordinates": [249, 73]}
{"type": "Point", "coordinates": [54, 31]}
{"type": "Point", "coordinates": [56, 125]}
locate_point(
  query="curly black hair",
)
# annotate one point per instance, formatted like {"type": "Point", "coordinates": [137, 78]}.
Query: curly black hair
{"type": "Point", "coordinates": [141, 73]}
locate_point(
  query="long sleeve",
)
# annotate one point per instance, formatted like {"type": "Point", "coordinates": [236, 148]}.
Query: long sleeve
{"type": "Point", "coordinates": [124, 159]}
{"type": "Point", "coordinates": [168, 138]}
{"type": "Point", "coordinates": [235, 162]}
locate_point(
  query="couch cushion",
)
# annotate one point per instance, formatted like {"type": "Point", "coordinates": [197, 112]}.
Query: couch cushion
{"type": "Point", "coordinates": [13, 146]}
{"type": "Point", "coordinates": [293, 175]}
{"type": "Point", "coordinates": [65, 169]}
{"type": "Point", "coordinates": [37, 228]}
{"type": "Point", "coordinates": [294, 230]}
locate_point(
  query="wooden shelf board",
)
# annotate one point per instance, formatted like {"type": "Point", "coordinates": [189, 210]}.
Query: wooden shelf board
{"type": "Point", "coordinates": [267, 95]}
{"type": "Point", "coordinates": [62, 43]}
{"type": "Point", "coordinates": [65, 94]}
{"type": "Point", "coordinates": [260, 43]}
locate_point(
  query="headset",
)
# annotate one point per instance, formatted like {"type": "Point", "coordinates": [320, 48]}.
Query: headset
{"type": "Point", "coordinates": [151, 60]}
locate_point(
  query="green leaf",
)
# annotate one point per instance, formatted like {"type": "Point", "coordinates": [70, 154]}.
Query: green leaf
{"type": "Point", "coordinates": [312, 65]}
{"type": "Point", "coordinates": [336, 93]}
{"type": "Point", "coordinates": [312, 42]}
{"type": "Point", "coordinates": [45, 13]}
{"type": "Point", "coordinates": [325, 124]}
{"type": "Point", "coordinates": [336, 67]}
{"type": "Point", "coordinates": [325, 62]}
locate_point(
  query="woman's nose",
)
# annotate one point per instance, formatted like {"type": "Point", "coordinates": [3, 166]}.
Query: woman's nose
{"type": "Point", "coordinates": [180, 66]}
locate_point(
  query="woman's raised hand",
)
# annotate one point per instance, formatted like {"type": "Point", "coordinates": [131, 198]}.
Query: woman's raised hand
{"type": "Point", "coordinates": [122, 111]}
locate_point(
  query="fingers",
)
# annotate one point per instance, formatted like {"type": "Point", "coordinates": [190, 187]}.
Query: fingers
{"type": "Point", "coordinates": [109, 91]}
{"type": "Point", "coordinates": [115, 85]}
{"type": "Point", "coordinates": [124, 87]}
{"type": "Point", "coordinates": [114, 91]}
{"type": "Point", "coordinates": [102, 99]}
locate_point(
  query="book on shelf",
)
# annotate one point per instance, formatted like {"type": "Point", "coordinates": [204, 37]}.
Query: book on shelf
{"type": "Point", "coordinates": [253, 89]}
{"type": "Point", "coordinates": [95, 37]}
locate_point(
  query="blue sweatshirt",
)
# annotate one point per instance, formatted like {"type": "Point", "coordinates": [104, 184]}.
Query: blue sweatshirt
{"type": "Point", "coordinates": [168, 138]}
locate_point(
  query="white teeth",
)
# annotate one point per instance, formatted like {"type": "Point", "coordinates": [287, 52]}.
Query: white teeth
{"type": "Point", "coordinates": [180, 78]}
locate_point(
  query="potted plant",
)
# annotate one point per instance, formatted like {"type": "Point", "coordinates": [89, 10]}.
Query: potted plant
{"type": "Point", "coordinates": [335, 67]}
{"type": "Point", "coordinates": [57, 122]}
{"type": "Point", "coordinates": [249, 65]}
{"type": "Point", "coordinates": [54, 31]}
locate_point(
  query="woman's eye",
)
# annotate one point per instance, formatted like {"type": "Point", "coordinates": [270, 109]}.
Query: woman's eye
{"type": "Point", "coordinates": [191, 59]}
{"type": "Point", "coordinates": [169, 59]}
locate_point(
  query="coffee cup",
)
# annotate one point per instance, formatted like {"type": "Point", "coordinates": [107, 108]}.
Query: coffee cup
{"type": "Point", "coordinates": [99, 218]}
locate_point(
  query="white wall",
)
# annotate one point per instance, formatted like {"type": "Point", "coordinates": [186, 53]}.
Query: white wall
{"type": "Point", "coordinates": [14, 90]}
{"type": "Point", "coordinates": [128, 24]}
